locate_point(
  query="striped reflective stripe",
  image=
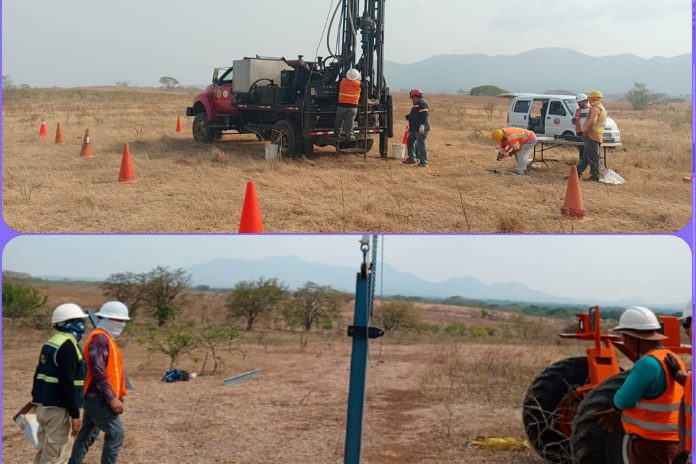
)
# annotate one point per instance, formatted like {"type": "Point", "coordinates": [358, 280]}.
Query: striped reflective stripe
{"type": "Point", "coordinates": [657, 407]}
{"type": "Point", "coordinates": [351, 95]}
{"type": "Point", "coordinates": [423, 110]}
{"type": "Point", "coordinates": [651, 425]}
{"type": "Point", "coordinates": [51, 379]}
{"type": "Point", "coordinates": [47, 378]}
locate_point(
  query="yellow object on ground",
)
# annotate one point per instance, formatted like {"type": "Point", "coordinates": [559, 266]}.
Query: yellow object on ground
{"type": "Point", "coordinates": [500, 444]}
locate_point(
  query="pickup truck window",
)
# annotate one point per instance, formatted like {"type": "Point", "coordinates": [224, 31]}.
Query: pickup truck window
{"type": "Point", "coordinates": [521, 106]}
{"type": "Point", "coordinates": [226, 78]}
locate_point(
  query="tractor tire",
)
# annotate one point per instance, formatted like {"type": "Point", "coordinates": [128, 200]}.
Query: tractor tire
{"type": "Point", "coordinates": [549, 405]}
{"type": "Point", "coordinates": [289, 138]}
{"type": "Point", "coordinates": [202, 133]}
{"type": "Point", "coordinates": [590, 443]}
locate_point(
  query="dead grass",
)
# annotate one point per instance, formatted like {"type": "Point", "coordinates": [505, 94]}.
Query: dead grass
{"type": "Point", "coordinates": [185, 187]}
{"type": "Point", "coordinates": [427, 395]}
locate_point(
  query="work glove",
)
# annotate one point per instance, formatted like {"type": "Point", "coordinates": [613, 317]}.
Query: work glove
{"type": "Point", "coordinates": [407, 117]}
{"type": "Point", "coordinates": [609, 419]}
{"type": "Point", "coordinates": [682, 458]}
{"type": "Point", "coordinates": [421, 129]}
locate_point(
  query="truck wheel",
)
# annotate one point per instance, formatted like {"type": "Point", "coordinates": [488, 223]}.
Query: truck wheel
{"type": "Point", "coordinates": [202, 133]}
{"type": "Point", "coordinates": [549, 407]}
{"type": "Point", "coordinates": [288, 137]}
{"type": "Point", "coordinates": [590, 443]}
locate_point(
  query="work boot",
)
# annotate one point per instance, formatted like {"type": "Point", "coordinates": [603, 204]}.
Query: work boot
{"type": "Point", "coordinates": [422, 165]}
{"type": "Point", "coordinates": [409, 161]}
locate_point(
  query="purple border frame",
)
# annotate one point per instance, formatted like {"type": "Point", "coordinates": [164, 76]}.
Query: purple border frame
{"type": "Point", "coordinates": [688, 233]}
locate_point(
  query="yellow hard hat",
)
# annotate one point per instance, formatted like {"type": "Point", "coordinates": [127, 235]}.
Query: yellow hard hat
{"type": "Point", "coordinates": [497, 135]}
{"type": "Point", "coordinates": [596, 94]}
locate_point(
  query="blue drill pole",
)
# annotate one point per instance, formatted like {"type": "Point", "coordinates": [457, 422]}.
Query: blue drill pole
{"type": "Point", "coordinates": [358, 369]}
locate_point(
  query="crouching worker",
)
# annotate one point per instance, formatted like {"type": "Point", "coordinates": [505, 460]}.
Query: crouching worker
{"type": "Point", "coordinates": [105, 386]}
{"type": "Point", "coordinates": [514, 141]}
{"type": "Point", "coordinates": [58, 383]}
{"type": "Point", "coordinates": [348, 99]}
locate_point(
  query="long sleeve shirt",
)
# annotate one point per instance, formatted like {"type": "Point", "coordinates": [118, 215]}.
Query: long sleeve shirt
{"type": "Point", "coordinates": [98, 355]}
{"type": "Point", "coordinates": [646, 380]}
{"type": "Point", "coordinates": [419, 116]}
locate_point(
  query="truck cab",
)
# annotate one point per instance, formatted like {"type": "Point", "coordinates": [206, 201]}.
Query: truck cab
{"type": "Point", "coordinates": [550, 115]}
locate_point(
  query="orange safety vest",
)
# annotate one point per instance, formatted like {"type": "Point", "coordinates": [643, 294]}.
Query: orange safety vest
{"type": "Point", "coordinates": [114, 365]}
{"type": "Point", "coordinates": [515, 135]}
{"type": "Point", "coordinates": [688, 402]}
{"type": "Point", "coordinates": [580, 118]}
{"type": "Point", "coordinates": [596, 132]}
{"type": "Point", "coordinates": [658, 418]}
{"type": "Point", "coordinates": [349, 92]}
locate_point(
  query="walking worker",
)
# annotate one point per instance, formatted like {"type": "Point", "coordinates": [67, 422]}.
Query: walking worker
{"type": "Point", "coordinates": [105, 386]}
{"type": "Point", "coordinates": [348, 99]}
{"type": "Point", "coordinates": [514, 141]}
{"type": "Point", "coordinates": [58, 384]}
{"type": "Point", "coordinates": [648, 401]}
{"type": "Point", "coordinates": [592, 133]}
{"type": "Point", "coordinates": [686, 409]}
{"type": "Point", "coordinates": [418, 128]}
{"type": "Point", "coordinates": [580, 117]}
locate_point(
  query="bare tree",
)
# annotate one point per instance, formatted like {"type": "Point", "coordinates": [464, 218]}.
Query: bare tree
{"type": "Point", "coordinates": [312, 303]}
{"type": "Point", "coordinates": [128, 288]}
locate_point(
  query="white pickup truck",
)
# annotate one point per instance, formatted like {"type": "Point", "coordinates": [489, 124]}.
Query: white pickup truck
{"type": "Point", "coordinates": [551, 115]}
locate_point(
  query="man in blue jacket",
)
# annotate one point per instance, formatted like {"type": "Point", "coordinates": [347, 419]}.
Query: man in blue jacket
{"type": "Point", "coordinates": [418, 128]}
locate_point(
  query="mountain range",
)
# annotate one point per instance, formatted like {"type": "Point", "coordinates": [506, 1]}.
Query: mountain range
{"type": "Point", "coordinates": [541, 70]}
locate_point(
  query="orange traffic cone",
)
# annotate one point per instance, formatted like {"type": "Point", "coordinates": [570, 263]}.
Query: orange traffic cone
{"type": "Point", "coordinates": [251, 221]}
{"type": "Point", "coordinates": [60, 138]}
{"type": "Point", "coordinates": [127, 173]}
{"type": "Point", "coordinates": [43, 130]}
{"type": "Point", "coordinates": [572, 206]}
{"type": "Point", "coordinates": [86, 151]}
{"type": "Point", "coordinates": [179, 127]}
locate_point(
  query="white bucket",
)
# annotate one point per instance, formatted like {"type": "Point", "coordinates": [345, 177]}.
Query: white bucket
{"type": "Point", "coordinates": [271, 151]}
{"type": "Point", "coordinates": [398, 151]}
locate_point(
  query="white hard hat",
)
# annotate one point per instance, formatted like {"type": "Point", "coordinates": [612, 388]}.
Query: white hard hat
{"type": "Point", "coordinates": [581, 97]}
{"type": "Point", "coordinates": [66, 312]}
{"type": "Point", "coordinates": [353, 74]}
{"type": "Point", "coordinates": [638, 318]}
{"type": "Point", "coordinates": [114, 310]}
{"type": "Point", "coordinates": [688, 311]}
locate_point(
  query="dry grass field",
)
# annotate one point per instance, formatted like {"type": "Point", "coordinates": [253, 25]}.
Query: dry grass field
{"type": "Point", "coordinates": [427, 396]}
{"type": "Point", "coordinates": [186, 187]}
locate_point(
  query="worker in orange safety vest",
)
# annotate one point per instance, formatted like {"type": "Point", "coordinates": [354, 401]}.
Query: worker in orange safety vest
{"type": "Point", "coordinates": [648, 401]}
{"type": "Point", "coordinates": [592, 133]}
{"type": "Point", "coordinates": [349, 90]}
{"type": "Point", "coordinates": [514, 141]}
{"type": "Point", "coordinates": [105, 386]}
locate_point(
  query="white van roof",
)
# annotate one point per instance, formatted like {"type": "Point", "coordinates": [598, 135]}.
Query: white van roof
{"type": "Point", "coordinates": [534, 95]}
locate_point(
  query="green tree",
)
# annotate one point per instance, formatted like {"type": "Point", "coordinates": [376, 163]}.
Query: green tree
{"type": "Point", "coordinates": [249, 299]}
{"type": "Point", "coordinates": [313, 303]}
{"type": "Point", "coordinates": [397, 315]}
{"type": "Point", "coordinates": [168, 82]}
{"type": "Point", "coordinates": [162, 287]}
{"type": "Point", "coordinates": [639, 96]}
{"type": "Point", "coordinates": [486, 91]}
{"type": "Point", "coordinates": [173, 341]}
{"type": "Point", "coordinates": [7, 82]}
{"type": "Point", "coordinates": [20, 301]}
{"type": "Point", "coordinates": [128, 288]}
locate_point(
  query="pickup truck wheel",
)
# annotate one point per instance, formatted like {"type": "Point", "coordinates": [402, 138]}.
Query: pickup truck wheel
{"type": "Point", "coordinates": [287, 135]}
{"type": "Point", "coordinates": [202, 133]}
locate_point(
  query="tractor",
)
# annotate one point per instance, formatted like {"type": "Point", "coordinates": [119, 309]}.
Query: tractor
{"type": "Point", "coordinates": [559, 409]}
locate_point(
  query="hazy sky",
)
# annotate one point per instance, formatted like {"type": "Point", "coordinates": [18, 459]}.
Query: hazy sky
{"type": "Point", "coordinates": [97, 42]}
{"type": "Point", "coordinates": [654, 268]}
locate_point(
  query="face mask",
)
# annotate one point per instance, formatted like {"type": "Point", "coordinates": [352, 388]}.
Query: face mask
{"type": "Point", "coordinates": [74, 328]}
{"type": "Point", "coordinates": [113, 327]}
